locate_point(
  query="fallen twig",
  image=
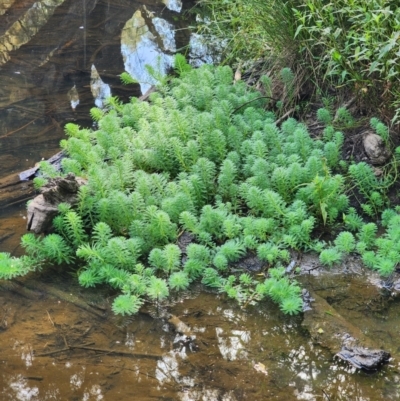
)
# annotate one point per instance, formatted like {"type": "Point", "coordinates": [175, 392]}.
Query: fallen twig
{"type": "Point", "coordinates": [253, 100]}
{"type": "Point", "coordinates": [287, 114]}
{"type": "Point", "coordinates": [20, 128]}
{"type": "Point", "coordinates": [48, 314]}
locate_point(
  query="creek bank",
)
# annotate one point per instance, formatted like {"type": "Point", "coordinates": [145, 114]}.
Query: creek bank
{"type": "Point", "coordinates": [347, 290]}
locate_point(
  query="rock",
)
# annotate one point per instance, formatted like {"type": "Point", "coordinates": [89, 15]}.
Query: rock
{"type": "Point", "coordinates": [100, 90]}
{"type": "Point", "coordinates": [375, 148]}
{"type": "Point", "coordinates": [363, 358]}
{"type": "Point", "coordinates": [44, 207]}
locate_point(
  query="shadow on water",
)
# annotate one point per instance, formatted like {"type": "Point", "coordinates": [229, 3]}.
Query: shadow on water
{"type": "Point", "coordinates": [52, 349]}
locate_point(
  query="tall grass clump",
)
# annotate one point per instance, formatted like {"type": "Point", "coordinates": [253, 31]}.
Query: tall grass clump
{"type": "Point", "coordinates": [252, 29]}
{"type": "Point", "coordinates": [351, 44]}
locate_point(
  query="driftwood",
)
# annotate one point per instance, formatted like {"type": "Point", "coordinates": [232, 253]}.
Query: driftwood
{"type": "Point", "coordinates": [14, 191]}
{"type": "Point", "coordinates": [44, 207]}
{"type": "Point", "coordinates": [20, 289]}
{"type": "Point", "coordinates": [103, 350]}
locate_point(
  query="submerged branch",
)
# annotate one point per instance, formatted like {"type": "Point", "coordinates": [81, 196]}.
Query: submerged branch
{"type": "Point", "coordinates": [103, 350]}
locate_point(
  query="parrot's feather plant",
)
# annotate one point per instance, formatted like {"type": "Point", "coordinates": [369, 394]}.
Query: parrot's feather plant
{"type": "Point", "coordinates": [194, 159]}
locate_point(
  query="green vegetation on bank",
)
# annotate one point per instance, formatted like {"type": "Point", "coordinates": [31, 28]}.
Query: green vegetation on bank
{"type": "Point", "coordinates": [204, 157]}
{"type": "Point", "coordinates": [341, 43]}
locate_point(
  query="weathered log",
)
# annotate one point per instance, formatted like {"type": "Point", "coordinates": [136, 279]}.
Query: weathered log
{"type": "Point", "coordinates": [20, 289]}
{"type": "Point", "coordinates": [14, 191]}
{"type": "Point", "coordinates": [18, 188]}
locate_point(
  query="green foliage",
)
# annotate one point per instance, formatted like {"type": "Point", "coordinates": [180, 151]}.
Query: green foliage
{"type": "Point", "coordinates": [56, 249]}
{"type": "Point", "coordinates": [181, 66]}
{"type": "Point", "coordinates": [352, 41]}
{"type": "Point", "coordinates": [127, 78]}
{"type": "Point", "coordinates": [52, 248]}
{"type": "Point", "coordinates": [191, 162]}
{"type": "Point", "coordinates": [179, 281]}
{"type": "Point", "coordinates": [157, 289]}
{"type": "Point", "coordinates": [330, 256]}
{"type": "Point", "coordinates": [126, 304]}
{"type": "Point", "coordinates": [380, 128]}
{"type": "Point", "coordinates": [96, 114]}
{"type": "Point", "coordinates": [339, 43]}
{"type": "Point", "coordinates": [324, 116]}
{"type": "Point", "coordinates": [345, 242]}
{"type": "Point", "coordinates": [281, 290]}
{"type": "Point", "coordinates": [11, 267]}
{"type": "Point", "coordinates": [249, 27]}
{"type": "Point", "coordinates": [364, 177]}
{"type": "Point", "coordinates": [46, 171]}
{"type": "Point", "coordinates": [343, 118]}
{"type": "Point", "coordinates": [39, 182]}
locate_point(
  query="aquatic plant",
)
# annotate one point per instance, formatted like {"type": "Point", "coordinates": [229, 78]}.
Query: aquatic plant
{"type": "Point", "coordinates": [205, 159]}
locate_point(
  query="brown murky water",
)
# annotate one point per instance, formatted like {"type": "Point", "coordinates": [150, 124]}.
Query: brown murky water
{"type": "Point", "coordinates": [51, 349]}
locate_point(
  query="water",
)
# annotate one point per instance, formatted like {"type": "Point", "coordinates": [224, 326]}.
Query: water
{"type": "Point", "coordinates": [253, 354]}
{"type": "Point", "coordinates": [52, 349]}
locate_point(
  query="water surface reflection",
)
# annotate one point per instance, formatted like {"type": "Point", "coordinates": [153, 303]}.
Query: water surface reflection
{"type": "Point", "coordinates": [51, 349]}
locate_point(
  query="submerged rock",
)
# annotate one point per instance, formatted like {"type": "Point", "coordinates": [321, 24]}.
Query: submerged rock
{"type": "Point", "coordinates": [249, 262]}
{"type": "Point", "coordinates": [307, 299]}
{"type": "Point", "coordinates": [344, 340]}
{"type": "Point", "coordinates": [44, 207]}
{"type": "Point", "coordinates": [363, 358]}
{"type": "Point", "coordinates": [73, 96]}
{"type": "Point", "coordinates": [173, 5]}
